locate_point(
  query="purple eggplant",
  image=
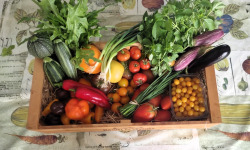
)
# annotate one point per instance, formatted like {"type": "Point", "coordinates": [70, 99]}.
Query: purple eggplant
{"type": "Point", "coordinates": [211, 57]}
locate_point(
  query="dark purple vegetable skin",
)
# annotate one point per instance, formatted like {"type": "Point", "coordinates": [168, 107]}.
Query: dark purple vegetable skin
{"type": "Point", "coordinates": [57, 108]}
{"type": "Point", "coordinates": [63, 95]}
{"type": "Point", "coordinates": [53, 119]}
{"type": "Point", "coordinates": [127, 74]}
{"type": "Point", "coordinates": [213, 56]}
{"type": "Point", "coordinates": [208, 38]}
{"type": "Point", "coordinates": [186, 58]}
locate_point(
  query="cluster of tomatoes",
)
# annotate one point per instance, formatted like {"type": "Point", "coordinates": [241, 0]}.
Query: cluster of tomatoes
{"type": "Point", "coordinates": [136, 78]}
{"type": "Point", "coordinates": [135, 63]}
{"type": "Point", "coordinates": [187, 97]}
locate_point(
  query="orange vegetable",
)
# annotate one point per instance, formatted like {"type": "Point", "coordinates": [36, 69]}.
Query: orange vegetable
{"type": "Point", "coordinates": [125, 99]}
{"type": "Point", "coordinates": [115, 107]}
{"type": "Point", "coordinates": [77, 109]}
{"type": "Point", "coordinates": [99, 111]}
{"type": "Point", "coordinates": [89, 118]}
{"type": "Point", "coordinates": [46, 110]}
{"type": "Point", "coordinates": [91, 67]}
{"type": "Point", "coordinates": [91, 105]}
{"type": "Point", "coordinates": [65, 120]}
{"type": "Point", "coordinates": [85, 82]}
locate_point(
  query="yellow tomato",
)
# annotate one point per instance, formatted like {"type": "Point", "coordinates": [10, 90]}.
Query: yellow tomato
{"type": "Point", "coordinates": [116, 72]}
{"type": "Point", "coordinates": [123, 82]}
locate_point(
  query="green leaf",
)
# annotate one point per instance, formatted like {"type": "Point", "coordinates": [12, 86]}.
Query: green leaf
{"type": "Point", "coordinates": [239, 34]}
{"type": "Point", "coordinates": [158, 48]}
{"type": "Point", "coordinates": [219, 13]}
{"type": "Point", "coordinates": [178, 48]}
{"type": "Point", "coordinates": [231, 9]}
{"type": "Point", "coordinates": [139, 38]}
{"type": "Point", "coordinates": [187, 12]}
{"type": "Point", "coordinates": [209, 24]}
{"type": "Point", "coordinates": [7, 50]}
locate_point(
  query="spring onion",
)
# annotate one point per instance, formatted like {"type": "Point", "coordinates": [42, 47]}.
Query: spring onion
{"type": "Point", "coordinates": [154, 89]}
{"type": "Point", "coordinates": [117, 43]}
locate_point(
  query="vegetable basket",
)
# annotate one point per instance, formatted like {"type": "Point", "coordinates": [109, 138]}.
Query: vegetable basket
{"type": "Point", "coordinates": [41, 94]}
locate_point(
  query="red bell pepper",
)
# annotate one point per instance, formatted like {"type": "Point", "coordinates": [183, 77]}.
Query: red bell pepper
{"type": "Point", "coordinates": [71, 85]}
{"type": "Point", "coordinates": [92, 96]}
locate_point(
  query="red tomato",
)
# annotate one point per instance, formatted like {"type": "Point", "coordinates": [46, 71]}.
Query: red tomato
{"type": "Point", "coordinates": [139, 78]}
{"type": "Point", "coordinates": [144, 86]}
{"type": "Point", "coordinates": [149, 74]}
{"type": "Point", "coordinates": [145, 64]}
{"type": "Point", "coordinates": [135, 53]}
{"type": "Point", "coordinates": [144, 113]}
{"type": "Point", "coordinates": [134, 66]}
{"type": "Point", "coordinates": [136, 93]}
{"type": "Point", "coordinates": [123, 55]}
{"type": "Point", "coordinates": [163, 115]}
{"type": "Point", "coordinates": [156, 101]}
{"type": "Point", "coordinates": [166, 103]}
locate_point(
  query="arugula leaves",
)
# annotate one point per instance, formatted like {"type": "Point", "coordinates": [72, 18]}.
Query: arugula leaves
{"type": "Point", "coordinates": [166, 34]}
{"type": "Point", "coordinates": [70, 22]}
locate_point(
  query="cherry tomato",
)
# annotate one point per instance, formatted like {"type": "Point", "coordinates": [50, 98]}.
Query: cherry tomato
{"type": "Point", "coordinates": [139, 78]}
{"type": "Point", "coordinates": [122, 91]}
{"type": "Point", "coordinates": [132, 84]}
{"type": "Point", "coordinates": [123, 55]}
{"type": "Point", "coordinates": [144, 64]}
{"type": "Point", "coordinates": [116, 97]}
{"type": "Point", "coordinates": [130, 90]}
{"type": "Point", "coordinates": [166, 103]}
{"type": "Point", "coordinates": [171, 63]}
{"type": "Point", "coordinates": [156, 101]}
{"type": "Point", "coordinates": [135, 53]}
{"type": "Point", "coordinates": [144, 86]}
{"type": "Point", "coordinates": [134, 66]}
{"type": "Point", "coordinates": [144, 113]}
{"type": "Point", "coordinates": [136, 93]}
{"type": "Point", "coordinates": [163, 115]}
{"type": "Point", "coordinates": [115, 107]}
{"type": "Point", "coordinates": [123, 82]}
{"type": "Point", "coordinates": [150, 75]}
{"type": "Point", "coordinates": [125, 99]}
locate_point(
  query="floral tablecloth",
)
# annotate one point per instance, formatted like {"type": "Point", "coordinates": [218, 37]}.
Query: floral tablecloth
{"type": "Point", "coordinates": [16, 77]}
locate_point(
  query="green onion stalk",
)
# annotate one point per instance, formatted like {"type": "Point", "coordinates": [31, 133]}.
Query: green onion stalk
{"type": "Point", "coordinates": [111, 49]}
{"type": "Point", "coordinates": [156, 88]}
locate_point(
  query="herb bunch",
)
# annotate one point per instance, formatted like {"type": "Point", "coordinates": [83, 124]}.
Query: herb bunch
{"type": "Point", "coordinates": [70, 22]}
{"type": "Point", "coordinates": [167, 33]}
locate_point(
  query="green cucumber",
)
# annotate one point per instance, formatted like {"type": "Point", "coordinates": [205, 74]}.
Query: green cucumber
{"type": "Point", "coordinates": [53, 71]}
{"type": "Point", "coordinates": [64, 56]}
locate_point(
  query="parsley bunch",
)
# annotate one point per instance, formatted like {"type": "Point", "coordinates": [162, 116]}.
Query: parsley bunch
{"type": "Point", "coordinates": [168, 32]}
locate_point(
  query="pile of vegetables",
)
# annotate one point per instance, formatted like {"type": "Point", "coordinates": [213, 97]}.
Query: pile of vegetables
{"type": "Point", "coordinates": [130, 75]}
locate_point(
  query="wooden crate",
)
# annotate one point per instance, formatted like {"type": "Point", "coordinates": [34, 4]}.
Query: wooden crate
{"type": "Point", "coordinates": [124, 125]}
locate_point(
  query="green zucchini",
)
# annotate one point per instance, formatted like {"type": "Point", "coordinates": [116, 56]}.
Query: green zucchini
{"type": "Point", "coordinates": [40, 46]}
{"type": "Point", "coordinates": [64, 56]}
{"type": "Point", "coordinates": [53, 71]}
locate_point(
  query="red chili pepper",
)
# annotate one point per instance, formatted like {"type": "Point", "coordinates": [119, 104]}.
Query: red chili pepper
{"type": "Point", "coordinates": [92, 96]}
{"type": "Point", "coordinates": [71, 85]}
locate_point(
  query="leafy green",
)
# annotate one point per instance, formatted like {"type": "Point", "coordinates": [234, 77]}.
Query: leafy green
{"type": "Point", "coordinates": [7, 50]}
{"type": "Point", "coordinates": [167, 33]}
{"type": "Point", "coordinates": [70, 22]}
